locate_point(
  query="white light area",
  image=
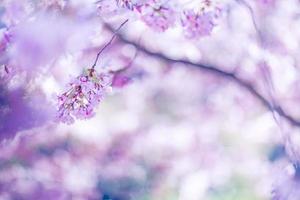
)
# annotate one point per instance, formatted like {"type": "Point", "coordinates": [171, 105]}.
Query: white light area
{"type": "Point", "coordinates": [264, 185]}
{"type": "Point", "coordinates": [252, 168]}
{"type": "Point", "coordinates": [284, 72]}
{"type": "Point", "coordinates": [66, 68]}
{"type": "Point", "coordinates": [194, 186]}
{"type": "Point", "coordinates": [183, 165]}
{"type": "Point", "coordinates": [182, 136]}
{"type": "Point", "coordinates": [208, 131]}
{"type": "Point", "coordinates": [136, 29]}
{"type": "Point", "coordinates": [287, 8]}
{"type": "Point", "coordinates": [258, 130]}
{"type": "Point", "coordinates": [42, 170]}
{"type": "Point", "coordinates": [221, 174]}
{"type": "Point", "coordinates": [241, 20]}
{"type": "Point", "coordinates": [283, 26]}
{"type": "Point", "coordinates": [175, 32]}
{"type": "Point", "coordinates": [124, 121]}
{"type": "Point", "coordinates": [80, 38]}
{"type": "Point", "coordinates": [88, 130]}
{"type": "Point", "coordinates": [135, 98]}
{"type": "Point", "coordinates": [83, 4]}
{"type": "Point", "coordinates": [128, 51]}
{"type": "Point", "coordinates": [49, 86]}
{"type": "Point", "coordinates": [80, 177]}
{"type": "Point", "coordinates": [289, 38]}
{"type": "Point", "coordinates": [177, 137]}
{"type": "Point", "coordinates": [106, 121]}
{"type": "Point", "coordinates": [289, 169]}
{"type": "Point", "coordinates": [247, 67]}
{"type": "Point", "coordinates": [255, 52]}
{"type": "Point", "coordinates": [191, 52]}
{"type": "Point", "coordinates": [99, 37]}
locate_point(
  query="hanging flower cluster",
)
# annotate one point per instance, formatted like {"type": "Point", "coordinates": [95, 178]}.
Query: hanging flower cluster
{"type": "Point", "coordinates": [86, 91]}
{"type": "Point", "coordinates": [83, 95]}
{"type": "Point", "coordinates": [157, 15]}
{"type": "Point", "coordinates": [197, 24]}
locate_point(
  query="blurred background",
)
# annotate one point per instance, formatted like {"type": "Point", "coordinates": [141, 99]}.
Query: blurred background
{"type": "Point", "coordinates": [168, 129]}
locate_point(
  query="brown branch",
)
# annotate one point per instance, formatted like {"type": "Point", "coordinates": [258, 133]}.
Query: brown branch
{"type": "Point", "coordinates": [107, 44]}
{"type": "Point", "coordinates": [216, 71]}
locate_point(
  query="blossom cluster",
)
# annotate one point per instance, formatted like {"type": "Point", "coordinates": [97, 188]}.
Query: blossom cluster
{"type": "Point", "coordinates": [197, 25]}
{"type": "Point", "coordinates": [160, 15]}
{"type": "Point", "coordinates": [84, 94]}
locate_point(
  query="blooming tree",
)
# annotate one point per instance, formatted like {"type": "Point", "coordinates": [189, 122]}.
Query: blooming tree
{"type": "Point", "coordinates": [149, 99]}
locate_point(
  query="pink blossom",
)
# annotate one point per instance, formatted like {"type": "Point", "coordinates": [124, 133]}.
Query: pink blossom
{"type": "Point", "coordinates": [120, 80]}
{"type": "Point", "coordinates": [197, 25]}
{"type": "Point", "coordinates": [158, 16]}
{"type": "Point", "coordinates": [83, 95]}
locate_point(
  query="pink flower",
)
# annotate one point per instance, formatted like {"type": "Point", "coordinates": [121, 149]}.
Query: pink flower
{"type": "Point", "coordinates": [197, 25]}
{"type": "Point", "coordinates": [120, 80]}
{"type": "Point", "coordinates": [84, 94]}
{"type": "Point", "coordinates": [157, 16]}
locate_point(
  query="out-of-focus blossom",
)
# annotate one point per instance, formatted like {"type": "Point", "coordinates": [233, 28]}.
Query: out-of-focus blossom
{"type": "Point", "coordinates": [288, 183]}
{"type": "Point", "coordinates": [107, 7]}
{"type": "Point", "coordinates": [197, 24]}
{"type": "Point", "coordinates": [41, 40]}
{"type": "Point", "coordinates": [33, 45]}
{"type": "Point", "coordinates": [21, 110]}
{"type": "Point", "coordinates": [120, 80]}
{"type": "Point", "coordinates": [129, 4]}
{"type": "Point", "coordinates": [157, 15]}
{"type": "Point", "coordinates": [84, 93]}
{"type": "Point", "coordinates": [16, 11]}
{"type": "Point", "coordinates": [52, 4]}
{"type": "Point", "coordinates": [146, 141]}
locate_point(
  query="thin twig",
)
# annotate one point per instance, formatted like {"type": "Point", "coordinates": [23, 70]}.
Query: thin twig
{"type": "Point", "coordinates": [107, 44]}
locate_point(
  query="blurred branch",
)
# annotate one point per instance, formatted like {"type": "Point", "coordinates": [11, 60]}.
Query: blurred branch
{"type": "Point", "coordinates": [252, 15]}
{"type": "Point", "coordinates": [213, 70]}
{"type": "Point", "coordinates": [266, 74]}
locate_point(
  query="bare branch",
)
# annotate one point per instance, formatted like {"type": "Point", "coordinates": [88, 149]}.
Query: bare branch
{"type": "Point", "coordinates": [216, 71]}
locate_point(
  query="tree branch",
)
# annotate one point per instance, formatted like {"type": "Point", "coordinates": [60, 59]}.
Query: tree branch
{"type": "Point", "coordinates": [216, 71]}
{"type": "Point", "coordinates": [109, 43]}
